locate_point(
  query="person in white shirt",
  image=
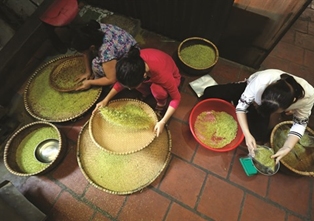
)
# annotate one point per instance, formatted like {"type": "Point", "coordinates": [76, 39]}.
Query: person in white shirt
{"type": "Point", "coordinates": [262, 94]}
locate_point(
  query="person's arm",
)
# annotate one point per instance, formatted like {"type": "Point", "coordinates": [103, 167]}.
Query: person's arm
{"type": "Point", "coordinates": [161, 124]}
{"type": "Point", "coordinates": [290, 142]}
{"type": "Point", "coordinates": [249, 139]}
{"type": "Point", "coordinates": [105, 101]}
{"type": "Point", "coordinates": [88, 70]}
{"type": "Point", "coordinates": [109, 69]}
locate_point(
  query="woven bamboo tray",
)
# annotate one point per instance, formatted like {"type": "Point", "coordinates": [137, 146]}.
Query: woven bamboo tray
{"type": "Point", "coordinates": [117, 140]}
{"type": "Point", "coordinates": [187, 65]}
{"type": "Point", "coordinates": [19, 155]}
{"type": "Point", "coordinates": [63, 77]}
{"type": "Point", "coordinates": [122, 174]}
{"type": "Point", "coordinates": [299, 160]}
{"type": "Point", "coordinates": [47, 104]}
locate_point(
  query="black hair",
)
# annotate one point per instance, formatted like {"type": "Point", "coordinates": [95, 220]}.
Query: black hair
{"type": "Point", "coordinates": [280, 95]}
{"type": "Point", "coordinates": [85, 35]}
{"type": "Point", "coordinates": [130, 69]}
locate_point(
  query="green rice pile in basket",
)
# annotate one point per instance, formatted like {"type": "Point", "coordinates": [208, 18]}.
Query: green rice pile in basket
{"type": "Point", "coordinates": [129, 116]}
{"type": "Point", "coordinates": [25, 155]}
{"type": "Point", "coordinates": [198, 56]}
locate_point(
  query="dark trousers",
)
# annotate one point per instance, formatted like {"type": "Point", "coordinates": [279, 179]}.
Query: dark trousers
{"type": "Point", "coordinates": [232, 92]}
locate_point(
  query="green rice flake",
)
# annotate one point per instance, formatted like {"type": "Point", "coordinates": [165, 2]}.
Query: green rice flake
{"type": "Point", "coordinates": [215, 128]}
{"type": "Point", "coordinates": [129, 116]}
{"type": "Point", "coordinates": [198, 56]}
{"type": "Point", "coordinates": [25, 154]}
{"type": "Point", "coordinates": [307, 140]}
{"type": "Point", "coordinates": [263, 156]}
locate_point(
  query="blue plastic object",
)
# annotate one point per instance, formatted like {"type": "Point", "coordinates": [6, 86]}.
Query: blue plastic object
{"type": "Point", "coordinates": [248, 166]}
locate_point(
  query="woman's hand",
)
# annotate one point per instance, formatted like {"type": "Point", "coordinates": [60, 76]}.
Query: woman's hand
{"type": "Point", "coordinates": [159, 127]}
{"type": "Point", "coordinates": [102, 103]}
{"type": "Point", "coordinates": [83, 77]}
{"type": "Point", "coordinates": [281, 153]}
{"type": "Point", "coordinates": [251, 144]}
{"type": "Point", "coordinates": [84, 86]}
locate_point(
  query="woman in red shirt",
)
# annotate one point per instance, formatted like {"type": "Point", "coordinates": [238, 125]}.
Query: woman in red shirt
{"type": "Point", "coordinates": [149, 71]}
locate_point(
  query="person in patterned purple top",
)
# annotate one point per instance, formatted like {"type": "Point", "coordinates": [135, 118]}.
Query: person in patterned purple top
{"type": "Point", "coordinates": [102, 46]}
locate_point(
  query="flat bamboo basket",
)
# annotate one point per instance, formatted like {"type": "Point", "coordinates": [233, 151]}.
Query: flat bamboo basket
{"type": "Point", "coordinates": [187, 65]}
{"type": "Point", "coordinates": [120, 140]}
{"type": "Point", "coordinates": [19, 157]}
{"type": "Point", "coordinates": [64, 76]}
{"type": "Point", "coordinates": [122, 174]}
{"type": "Point", "coordinates": [45, 103]}
{"type": "Point", "coordinates": [299, 160]}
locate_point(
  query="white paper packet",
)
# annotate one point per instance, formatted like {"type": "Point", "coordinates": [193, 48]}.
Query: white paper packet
{"type": "Point", "coordinates": [201, 83]}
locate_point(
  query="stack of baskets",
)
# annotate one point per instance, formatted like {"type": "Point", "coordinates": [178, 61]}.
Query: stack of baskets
{"type": "Point", "coordinates": [120, 160]}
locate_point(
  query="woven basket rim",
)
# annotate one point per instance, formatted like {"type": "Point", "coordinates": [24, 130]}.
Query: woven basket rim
{"type": "Point", "coordinates": [167, 160]}
{"type": "Point", "coordinates": [26, 91]}
{"type": "Point", "coordinates": [55, 72]}
{"type": "Point", "coordinates": [126, 152]}
{"type": "Point", "coordinates": [200, 39]}
{"type": "Point", "coordinates": [304, 173]}
{"type": "Point", "coordinates": [23, 128]}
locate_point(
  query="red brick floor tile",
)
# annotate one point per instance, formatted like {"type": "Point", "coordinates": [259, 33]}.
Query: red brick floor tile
{"type": "Point", "coordinates": [273, 62]}
{"type": "Point", "coordinates": [145, 205]}
{"type": "Point", "coordinates": [292, 192]}
{"type": "Point", "coordinates": [100, 217]}
{"type": "Point", "coordinates": [258, 209]}
{"type": "Point", "coordinates": [183, 182]}
{"type": "Point", "coordinates": [68, 207]}
{"type": "Point", "coordinates": [179, 213]}
{"type": "Point", "coordinates": [183, 142]}
{"type": "Point", "coordinates": [245, 73]}
{"type": "Point", "coordinates": [225, 71]}
{"type": "Point", "coordinates": [289, 52]}
{"type": "Point", "coordinates": [308, 59]}
{"type": "Point", "coordinates": [294, 218]}
{"type": "Point", "coordinates": [107, 202]}
{"type": "Point", "coordinates": [218, 163]}
{"type": "Point", "coordinates": [73, 133]}
{"type": "Point", "coordinates": [289, 37]}
{"type": "Point", "coordinates": [256, 183]}
{"type": "Point", "coordinates": [69, 174]}
{"type": "Point", "coordinates": [300, 25]}
{"type": "Point", "coordinates": [187, 103]}
{"type": "Point", "coordinates": [41, 191]}
{"type": "Point", "coordinates": [304, 40]}
{"type": "Point", "coordinates": [220, 200]}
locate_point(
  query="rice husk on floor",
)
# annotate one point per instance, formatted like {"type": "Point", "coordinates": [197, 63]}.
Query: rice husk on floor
{"type": "Point", "coordinates": [122, 174]}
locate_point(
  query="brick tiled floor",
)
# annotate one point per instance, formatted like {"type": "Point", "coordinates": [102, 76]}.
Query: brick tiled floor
{"type": "Point", "coordinates": [197, 184]}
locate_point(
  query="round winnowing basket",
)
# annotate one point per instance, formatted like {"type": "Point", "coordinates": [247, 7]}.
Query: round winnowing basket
{"type": "Point", "coordinates": [117, 139]}
{"type": "Point", "coordinates": [210, 59]}
{"type": "Point", "coordinates": [299, 160]}
{"type": "Point", "coordinates": [122, 174]}
{"type": "Point", "coordinates": [19, 152]}
{"type": "Point", "coordinates": [47, 104]}
{"type": "Point", "coordinates": [64, 76]}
